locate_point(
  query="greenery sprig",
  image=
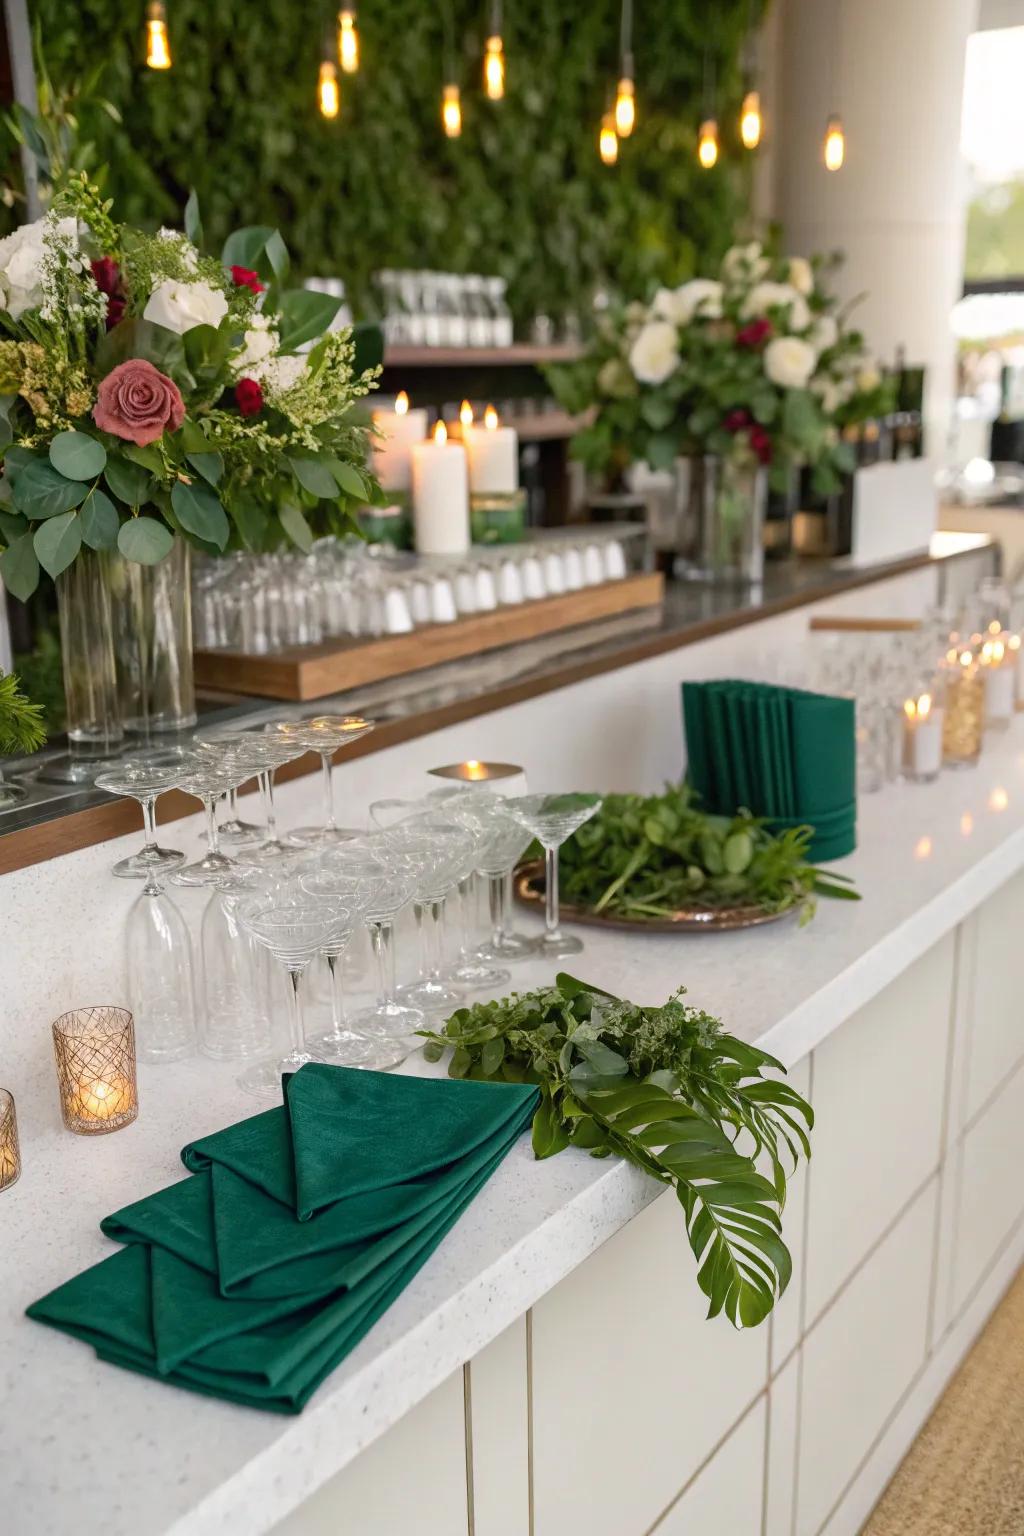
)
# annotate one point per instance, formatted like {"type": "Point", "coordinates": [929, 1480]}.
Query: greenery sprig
{"type": "Point", "coordinates": [652, 855]}
{"type": "Point", "coordinates": [21, 723]}
{"type": "Point", "coordinates": [668, 1090]}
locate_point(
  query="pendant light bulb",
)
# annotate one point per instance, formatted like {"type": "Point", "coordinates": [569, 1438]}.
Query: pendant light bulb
{"type": "Point", "coordinates": [608, 140]}
{"type": "Point", "coordinates": [625, 107]}
{"type": "Point", "coordinates": [328, 98]}
{"type": "Point", "coordinates": [158, 47]}
{"type": "Point", "coordinates": [834, 148]}
{"type": "Point", "coordinates": [751, 121]}
{"type": "Point", "coordinates": [707, 143]}
{"type": "Point", "coordinates": [348, 41]}
{"type": "Point", "coordinates": [494, 68]}
{"type": "Point", "coordinates": [451, 111]}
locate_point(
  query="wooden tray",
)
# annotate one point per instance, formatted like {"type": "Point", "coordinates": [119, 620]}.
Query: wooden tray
{"type": "Point", "coordinates": [314, 671]}
{"type": "Point", "coordinates": [529, 889]}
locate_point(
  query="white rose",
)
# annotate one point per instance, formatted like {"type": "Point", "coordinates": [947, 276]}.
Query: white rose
{"type": "Point", "coordinates": [789, 362]}
{"type": "Point", "coordinates": [824, 333]}
{"type": "Point", "coordinates": [745, 261]}
{"type": "Point", "coordinates": [700, 294]}
{"type": "Point", "coordinates": [868, 378]}
{"type": "Point", "coordinates": [765, 296]}
{"type": "Point", "coordinates": [654, 354]}
{"type": "Point", "coordinates": [21, 256]}
{"type": "Point", "coordinates": [259, 343]}
{"type": "Point", "coordinates": [280, 374]}
{"type": "Point", "coordinates": [179, 307]}
{"type": "Point", "coordinates": [801, 275]}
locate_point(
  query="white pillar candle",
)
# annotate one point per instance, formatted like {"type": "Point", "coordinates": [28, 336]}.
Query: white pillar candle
{"type": "Point", "coordinates": [922, 738]}
{"type": "Point", "coordinates": [510, 583]}
{"type": "Point", "coordinates": [999, 673]}
{"type": "Point", "coordinates": [440, 495]}
{"type": "Point", "coordinates": [392, 452]}
{"type": "Point", "coordinates": [493, 456]}
{"type": "Point", "coordinates": [573, 569]}
{"type": "Point", "coordinates": [614, 561]}
{"type": "Point", "coordinates": [533, 578]}
{"type": "Point", "coordinates": [554, 573]}
{"type": "Point", "coordinates": [593, 566]}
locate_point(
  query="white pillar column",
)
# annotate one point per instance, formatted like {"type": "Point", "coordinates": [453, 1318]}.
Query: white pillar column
{"type": "Point", "coordinates": [896, 208]}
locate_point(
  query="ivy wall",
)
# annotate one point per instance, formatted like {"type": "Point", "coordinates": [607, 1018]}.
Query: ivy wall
{"type": "Point", "coordinates": [523, 191]}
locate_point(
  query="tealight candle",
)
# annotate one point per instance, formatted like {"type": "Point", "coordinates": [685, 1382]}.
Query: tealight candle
{"type": "Point", "coordinates": [10, 1153]}
{"type": "Point", "coordinates": [440, 495]}
{"type": "Point", "coordinates": [510, 778]}
{"type": "Point", "coordinates": [999, 672]}
{"type": "Point", "coordinates": [493, 455]}
{"type": "Point", "coordinates": [922, 739]}
{"type": "Point", "coordinates": [392, 453]}
{"type": "Point", "coordinates": [95, 1054]}
{"type": "Point", "coordinates": [965, 710]}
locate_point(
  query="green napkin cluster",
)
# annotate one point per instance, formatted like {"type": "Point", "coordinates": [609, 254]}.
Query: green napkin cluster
{"type": "Point", "coordinates": [782, 753]}
{"type": "Point", "coordinates": [251, 1279]}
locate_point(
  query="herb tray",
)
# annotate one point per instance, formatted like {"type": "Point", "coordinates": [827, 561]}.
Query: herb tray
{"type": "Point", "coordinates": [529, 889]}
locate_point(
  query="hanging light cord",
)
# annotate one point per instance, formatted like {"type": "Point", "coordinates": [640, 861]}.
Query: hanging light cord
{"type": "Point", "coordinates": [709, 85]}
{"type": "Point", "coordinates": [626, 39]}
{"type": "Point", "coordinates": [495, 18]}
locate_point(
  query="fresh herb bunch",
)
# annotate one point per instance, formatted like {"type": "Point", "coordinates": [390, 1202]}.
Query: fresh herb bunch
{"type": "Point", "coordinates": [651, 855]}
{"type": "Point", "coordinates": [668, 1090]}
{"type": "Point", "coordinates": [22, 729]}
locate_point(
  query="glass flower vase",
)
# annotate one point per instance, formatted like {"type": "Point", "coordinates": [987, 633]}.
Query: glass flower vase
{"type": "Point", "coordinates": [152, 616]}
{"type": "Point", "coordinates": [734, 496]}
{"type": "Point", "coordinates": [92, 715]}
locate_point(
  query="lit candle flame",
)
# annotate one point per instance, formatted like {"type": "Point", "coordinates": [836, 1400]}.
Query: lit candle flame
{"type": "Point", "coordinates": [608, 140]}
{"type": "Point", "coordinates": [995, 628]}
{"type": "Point", "coordinates": [918, 709]}
{"type": "Point", "coordinates": [327, 89]}
{"type": "Point", "coordinates": [401, 403]}
{"type": "Point", "coordinates": [466, 414]}
{"type": "Point", "coordinates": [490, 418]}
{"type": "Point", "coordinates": [835, 145]}
{"type": "Point", "coordinates": [494, 69]}
{"type": "Point", "coordinates": [966, 824]}
{"type": "Point", "coordinates": [348, 42]}
{"type": "Point", "coordinates": [750, 120]}
{"type": "Point", "coordinates": [625, 108]}
{"type": "Point", "coordinates": [475, 769]}
{"type": "Point", "coordinates": [451, 111]}
{"type": "Point", "coordinates": [707, 143]}
{"type": "Point", "coordinates": [965, 658]}
{"type": "Point", "coordinates": [158, 47]}
{"type": "Point", "coordinates": [440, 434]}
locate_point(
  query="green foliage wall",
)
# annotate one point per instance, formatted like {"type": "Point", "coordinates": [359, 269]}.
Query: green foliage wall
{"type": "Point", "coordinates": [523, 191]}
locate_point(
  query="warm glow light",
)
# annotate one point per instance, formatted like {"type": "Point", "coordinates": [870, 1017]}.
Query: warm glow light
{"type": "Point", "coordinates": [466, 414]}
{"type": "Point", "coordinates": [451, 111]}
{"type": "Point", "coordinates": [348, 42]}
{"type": "Point", "coordinates": [490, 418]}
{"type": "Point", "coordinates": [918, 709]}
{"type": "Point", "coordinates": [1014, 642]}
{"type": "Point", "coordinates": [923, 848]}
{"type": "Point", "coordinates": [475, 769]}
{"type": "Point", "coordinates": [966, 824]}
{"type": "Point", "coordinates": [440, 434]}
{"type": "Point", "coordinates": [401, 403]}
{"type": "Point", "coordinates": [998, 800]}
{"type": "Point", "coordinates": [993, 653]}
{"type": "Point", "coordinates": [707, 143]}
{"type": "Point", "coordinates": [834, 148]}
{"type": "Point", "coordinates": [327, 89]}
{"type": "Point", "coordinates": [158, 47]}
{"type": "Point", "coordinates": [494, 69]}
{"type": "Point", "coordinates": [625, 108]}
{"type": "Point", "coordinates": [966, 658]}
{"type": "Point", "coordinates": [608, 140]}
{"type": "Point", "coordinates": [751, 123]}
{"type": "Point", "coordinates": [995, 628]}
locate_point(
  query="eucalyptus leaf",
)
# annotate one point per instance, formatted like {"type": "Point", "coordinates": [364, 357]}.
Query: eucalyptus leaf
{"type": "Point", "coordinates": [314, 477]}
{"type": "Point", "coordinates": [209, 465]}
{"type": "Point", "coordinates": [128, 481]}
{"type": "Point", "coordinates": [57, 542]}
{"type": "Point", "coordinates": [144, 540]}
{"type": "Point", "coordinates": [193, 221]}
{"type": "Point", "coordinates": [77, 455]}
{"type": "Point", "coordinates": [295, 526]}
{"type": "Point", "coordinates": [305, 315]}
{"type": "Point", "coordinates": [19, 567]}
{"type": "Point", "coordinates": [41, 491]}
{"type": "Point", "coordinates": [99, 521]}
{"type": "Point", "coordinates": [197, 508]}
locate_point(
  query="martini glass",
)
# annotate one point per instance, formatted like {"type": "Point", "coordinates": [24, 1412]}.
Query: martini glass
{"type": "Point", "coordinates": [294, 927]}
{"type": "Point", "coordinates": [325, 734]}
{"type": "Point", "coordinates": [551, 819]}
{"type": "Point", "coordinates": [206, 780]}
{"type": "Point", "coordinates": [503, 846]}
{"type": "Point", "coordinates": [145, 783]}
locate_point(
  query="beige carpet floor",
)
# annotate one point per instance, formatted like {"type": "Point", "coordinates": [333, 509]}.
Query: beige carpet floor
{"type": "Point", "coordinates": [964, 1474]}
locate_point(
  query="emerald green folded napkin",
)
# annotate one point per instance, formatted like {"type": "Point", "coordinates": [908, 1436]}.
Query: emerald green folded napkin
{"type": "Point", "coordinates": [784, 754]}
{"type": "Point", "coordinates": [254, 1276]}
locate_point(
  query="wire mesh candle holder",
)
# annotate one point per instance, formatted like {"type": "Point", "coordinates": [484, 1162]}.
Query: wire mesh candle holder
{"type": "Point", "coordinates": [10, 1154]}
{"type": "Point", "coordinates": [94, 1050]}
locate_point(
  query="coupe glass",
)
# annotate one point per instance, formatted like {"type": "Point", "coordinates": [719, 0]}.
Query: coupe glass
{"type": "Point", "coordinates": [551, 819]}
{"type": "Point", "coordinates": [502, 848]}
{"type": "Point", "coordinates": [294, 927]}
{"type": "Point", "coordinates": [206, 781]}
{"type": "Point", "coordinates": [325, 734]}
{"type": "Point", "coordinates": [438, 854]}
{"type": "Point", "coordinates": [269, 752]}
{"type": "Point", "coordinates": [469, 970]}
{"type": "Point", "coordinates": [161, 983]}
{"type": "Point", "coordinates": [234, 833]}
{"type": "Point", "coordinates": [145, 783]}
{"type": "Point", "coordinates": [388, 1016]}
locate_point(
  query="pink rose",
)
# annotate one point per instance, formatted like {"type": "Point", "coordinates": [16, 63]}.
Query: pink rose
{"type": "Point", "coordinates": [138, 402]}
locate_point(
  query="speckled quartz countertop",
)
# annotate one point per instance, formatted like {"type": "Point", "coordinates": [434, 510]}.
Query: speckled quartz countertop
{"type": "Point", "coordinates": [79, 1439]}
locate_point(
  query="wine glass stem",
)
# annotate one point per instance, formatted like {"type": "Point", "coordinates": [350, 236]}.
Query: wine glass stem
{"type": "Point", "coordinates": [551, 892]}
{"type": "Point", "coordinates": [329, 824]}
{"type": "Point", "coordinates": [149, 822]}
{"type": "Point", "coordinates": [422, 940]}
{"type": "Point", "coordinates": [496, 905]}
{"type": "Point", "coordinates": [212, 834]}
{"type": "Point", "coordinates": [267, 796]}
{"type": "Point", "coordinates": [465, 916]}
{"type": "Point", "coordinates": [232, 816]}
{"type": "Point", "coordinates": [337, 995]}
{"type": "Point", "coordinates": [435, 940]}
{"type": "Point", "coordinates": [297, 1030]}
{"type": "Point", "coordinates": [381, 935]}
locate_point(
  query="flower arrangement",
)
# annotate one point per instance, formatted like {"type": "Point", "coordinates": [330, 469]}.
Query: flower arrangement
{"type": "Point", "coordinates": [756, 365]}
{"type": "Point", "coordinates": [149, 390]}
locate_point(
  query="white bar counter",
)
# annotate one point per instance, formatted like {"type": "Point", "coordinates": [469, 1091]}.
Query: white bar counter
{"type": "Point", "coordinates": [547, 1370]}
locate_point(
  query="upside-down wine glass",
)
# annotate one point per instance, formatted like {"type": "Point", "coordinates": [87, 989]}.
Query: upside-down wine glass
{"type": "Point", "coordinates": [161, 977]}
{"type": "Point", "coordinates": [325, 735]}
{"type": "Point", "coordinates": [551, 819]}
{"type": "Point", "coordinates": [235, 1021]}
{"type": "Point", "coordinates": [145, 783]}
{"type": "Point", "coordinates": [294, 927]}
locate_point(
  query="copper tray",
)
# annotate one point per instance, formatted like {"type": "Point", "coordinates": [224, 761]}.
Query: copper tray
{"type": "Point", "coordinates": [529, 889]}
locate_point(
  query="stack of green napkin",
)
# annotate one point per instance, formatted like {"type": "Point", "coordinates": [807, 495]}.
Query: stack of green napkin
{"type": "Point", "coordinates": [252, 1279]}
{"type": "Point", "coordinates": [782, 753]}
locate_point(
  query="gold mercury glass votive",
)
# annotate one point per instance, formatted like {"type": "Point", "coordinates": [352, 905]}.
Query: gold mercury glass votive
{"type": "Point", "coordinates": [965, 710]}
{"type": "Point", "coordinates": [10, 1156]}
{"type": "Point", "coordinates": [95, 1053]}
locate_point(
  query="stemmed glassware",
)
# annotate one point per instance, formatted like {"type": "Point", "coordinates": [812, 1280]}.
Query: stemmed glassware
{"type": "Point", "coordinates": [325, 734]}
{"type": "Point", "coordinates": [269, 752]}
{"type": "Point", "coordinates": [143, 782]}
{"type": "Point", "coordinates": [236, 1018]}
{"type": "Point", "coordinates": [161, 981]}
{"type": "Point", "coordinates": [294, 927]}
{"type": "Point", "coordinates": [388, 1016]}
{"type": "Point", "coordinates": [206, 780]}
{"type": "Point", "coordinates": [438, 853]}
{"type": "Point", "coordinates": [497, 858]}
{"type": "Point", "coordinates": [551, 819]}
{"type": "Point", "coordinates": [472, 809]}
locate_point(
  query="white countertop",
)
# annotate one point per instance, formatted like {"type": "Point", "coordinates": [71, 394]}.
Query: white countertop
{"type": "Point", "coordinates": [142, 1458]}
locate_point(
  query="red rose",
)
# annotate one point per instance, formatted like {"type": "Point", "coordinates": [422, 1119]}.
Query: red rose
{"type": "Point", "coordinates": [138, 402]}
{"type": "Point", "coordinates": [107, 277]}
{"type": "Point", "coordinates": [115, 310]}
{"type": "Point", "coordinates": [754, 334]}
{"type": "Point", "coordinates": [249, 395]}
{"type": "Point", "coordinates": [736, 420]}
{"type": "Point", "coordinates": [761, 444]}
{"type": "Point", "coordinates": [245, 277]}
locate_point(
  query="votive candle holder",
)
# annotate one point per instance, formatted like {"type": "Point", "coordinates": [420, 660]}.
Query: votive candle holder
{"type": "Point", "coordinates": [10, 1154]}
{"type": "Point", "coordinates": [964, 719]}
{"type": "Point", "coordinates": [95, 1054]}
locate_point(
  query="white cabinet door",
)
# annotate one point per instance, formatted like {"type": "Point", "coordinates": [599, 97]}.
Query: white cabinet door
{"type": "Point", "coordinates": [996, 1024]}
{"type": "Point", "coordinates": [632, 1387]}
{"type": "Point", "coordinates": [413, 1479]}
{"type": "Point", "coordinates": [785, 1319]}
{"type": "Point", "coordinates": [991, 1194]}
{"type": "Point", "coordinates": [499, 1420]}
{"type": "Point", "coordinates": [783, 1422]}
{"type": "Point", "coordinates": [860, 1358]}
{"type": "Point", "coordinates": [725, 1497]}
{"type": "Point", "coordinates": [878, 1103]}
